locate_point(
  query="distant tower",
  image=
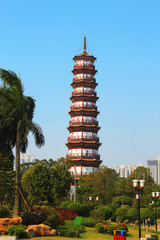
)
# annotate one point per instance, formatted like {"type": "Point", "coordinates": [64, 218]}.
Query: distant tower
{"type": "Point", "coordinates": [83, 141]}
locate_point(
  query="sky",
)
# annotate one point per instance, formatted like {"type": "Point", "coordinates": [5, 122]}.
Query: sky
{"type": "Point", "coordinates": [38, 40]}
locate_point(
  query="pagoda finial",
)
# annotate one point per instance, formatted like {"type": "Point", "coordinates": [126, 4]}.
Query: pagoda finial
{"type": "Point", "coordinates": [84, 48]}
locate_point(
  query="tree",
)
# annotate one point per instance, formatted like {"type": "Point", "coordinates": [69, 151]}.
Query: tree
{"type": "Point", "coordinates": [104, 181]}
{"type": "Point", "coordinates": [36, 183]}
{"type": "Point", "coordinates": [17, 112]}
{"type": "Point", "coordinates": [140, 173]}
{"type": "Point", "coordinates": [42, 183]}
{"type": "Point", "coordinates": [132, 214]}
{"type": "Point", "coordinates": [121, 200]}
{"type": "Point", "coordinates": [121, 213]}
{"type": "Point", "coordinates": [7, 179]}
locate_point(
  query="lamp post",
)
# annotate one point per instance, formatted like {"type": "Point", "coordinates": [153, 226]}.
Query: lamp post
{"type": "Point", "coordinates": [90, 200]}
{"type": "Point", "coordinates": [138, 185]}
{"type": "Point", "coordinates": [155, 196]}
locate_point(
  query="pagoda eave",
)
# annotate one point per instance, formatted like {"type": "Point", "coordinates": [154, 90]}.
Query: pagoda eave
{"type": "Point", "coordinates": [84, 56]}
{"type": "Point", "coordinates": [84, 97]}
{"type": "Point", "coordinates": [88, 128]}
{"type": "Point", "coordinates": [84, 144]}
{"type": "Point", "coordinates": [84, 83]}
{"type": "Point", "coordinates": [93, 162]}
{"type": "Point", "coordinates": [84, 70]}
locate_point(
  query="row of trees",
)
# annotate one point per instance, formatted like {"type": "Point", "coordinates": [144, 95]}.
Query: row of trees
{"type": "Point", "coordinates": [16, 121]}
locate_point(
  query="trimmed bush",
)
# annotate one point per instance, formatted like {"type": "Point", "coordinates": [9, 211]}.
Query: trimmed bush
{"type": "Point", "coordinates": [102, 213]}
{"type": "Point", "coordinates": [110, 229]}
{"type": "Point", "coordinates": [100, 227]}
{"type": "Point", "coordinates": [126, 221]}
{"type": "Point", "coordinates": [86, 209]}
{"type": "Point", "coordinates": [19, 231]}
{"type": "Point", "coordinates": [67, 214]}
{"type": "Point", "coordinates": [121, 226]}
{"type": "Point", "coordinates": [52, 221]}
{"type": "Point", "coordinates": [65, 204]}
{"type": "Point", "coordinates": [75, 206]}
{"type": "Point", "coordinates": [66, 232]}
{"type": "Point", "coordinates": [5, 212]}
{"type": "Point", "coordinates": [88, 222]}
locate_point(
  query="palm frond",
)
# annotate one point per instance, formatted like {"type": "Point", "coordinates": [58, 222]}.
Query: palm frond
{"type": "Point", "coordinates": [38, 135]}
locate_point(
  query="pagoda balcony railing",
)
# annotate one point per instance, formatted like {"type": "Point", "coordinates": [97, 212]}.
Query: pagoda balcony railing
{"type": "Point", "coordinates": [84, 107]}
{"type": "Point", "coordinates": [79, 174]}
{"type": "Point", "coordinates": [84, 155]}
{"type": "Point", "coordinates": [85, 138]}
{"type": "Point", "coordinates": [84, 64]}
{"type": "Point", "coordinates": [89, 92]}
{"type": "Point", "coordinates": [77, 78]}
{"type": "Point", "coordinates": [87, 122]}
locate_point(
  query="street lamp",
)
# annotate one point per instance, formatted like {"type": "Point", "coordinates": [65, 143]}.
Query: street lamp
{"type": "Point", "coordinates": [155, 196]}
{"type": "Point", "coordinates": [90, 200]}
{"type": "Point", "coordinates": [138, 185]}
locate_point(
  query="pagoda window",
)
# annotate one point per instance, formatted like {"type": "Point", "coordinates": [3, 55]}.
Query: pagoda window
{"type": "Point", "coordinates": [86, 170]}
{"type": "Point", "coordinates": [76, 170]}
{"type": "Point", "coordinates": [76, 135]}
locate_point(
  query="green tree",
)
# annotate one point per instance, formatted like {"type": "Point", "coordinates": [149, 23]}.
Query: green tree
{"type": "Point", "coordinates": [41, 183]}
{"type": "Point", "coordinates": [132, 214]}
{"type": "Point", "coordinates": [7, 179]}
{"type": "Point", "coordinates": [17, 112]}
{"type": "Point", "coordinates": [121, 213]}
{"type": "Point", "coordinates": [36, 183]}
{"type": "Point", "coordinates": [140, 173]}
{"type": "Point", "coordinates": [121, 200]}
{"type": "Point", "coordinates": [104, 181]}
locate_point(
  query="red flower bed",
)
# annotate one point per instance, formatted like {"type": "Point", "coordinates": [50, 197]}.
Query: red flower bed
{"type": "Point", "coordinates": [66, 214]}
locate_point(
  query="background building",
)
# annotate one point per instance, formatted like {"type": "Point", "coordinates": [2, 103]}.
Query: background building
{"type": "Point", "coordinates": [124, 171]}
{"type": "Point", "coordinates": [154, 165]}
{"type": "Point", "coordinates": [26, 158]}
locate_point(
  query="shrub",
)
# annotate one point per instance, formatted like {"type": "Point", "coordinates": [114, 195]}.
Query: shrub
{"type": "Point", "coordinates": [102, 213]}
{"type": "Point", "coordinates": [66, 232]}
{"type": "Point", "coordinates": [75, 206]}
{"type": "Point", "coordinates": [86, 209]}
{"type": "Point", "coordinates": [110, 229]}
{"type": "Point", "coordinates": [53, 220]}
{"type": "Point", "coordinates": [88, 222]}
{"type": "Point", "coordinates": [126, 221]}
{"type": "Point", "coordinates": [67, 214]}
{"type": "Point", "coordinates": [136, 222]}
{"type": "Point", "coordinates": [121, 226]}
{"type": "Point", "coordinates": [36, 216]}
{"type": "Point", "coordinates": [106, 212]}
{"type": "Point", "coordinates": [19, 231]}
{"type": "Point", "coordinates": [65, 204]}
{"type": "Point", "coordinates": [100, 227]}
{"type": "Point", "coordinates": [5, 212]}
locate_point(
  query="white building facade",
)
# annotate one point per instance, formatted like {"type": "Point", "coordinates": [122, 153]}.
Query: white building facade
{"type": "Point", "coordinates": [154, 165]}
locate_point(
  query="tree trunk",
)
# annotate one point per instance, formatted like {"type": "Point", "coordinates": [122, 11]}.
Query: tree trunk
{"type": "Point", "coordinates": [17, 193]}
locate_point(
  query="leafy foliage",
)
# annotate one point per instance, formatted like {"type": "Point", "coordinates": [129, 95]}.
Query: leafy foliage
{"type": "Point", "coordinates": [100, 227]}
{"type": "Point", "coordinates": [65, 204]}
{"type": "Point", "coordinates": [19, 231]}
{"type": "Point", "coordinates": [37, 216]}
{"type": "Point", "coordinates": [121, 226]}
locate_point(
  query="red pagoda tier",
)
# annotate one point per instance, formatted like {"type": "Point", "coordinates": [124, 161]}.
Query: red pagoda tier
{"type": "Point", "coordinates": [83, 141]}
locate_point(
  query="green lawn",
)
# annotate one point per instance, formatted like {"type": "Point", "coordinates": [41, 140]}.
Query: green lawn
{"type": "Point", "coordinates": [91, 234]}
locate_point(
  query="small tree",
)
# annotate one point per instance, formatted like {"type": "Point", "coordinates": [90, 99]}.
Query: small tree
{"type": "Point", "coordinates": [121, 213]}
{"type": "Point", "coordinates": [132, 215]}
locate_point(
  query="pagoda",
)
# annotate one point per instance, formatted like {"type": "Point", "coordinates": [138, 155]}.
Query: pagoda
{"type": "Point", "coordinates": [83, 141]}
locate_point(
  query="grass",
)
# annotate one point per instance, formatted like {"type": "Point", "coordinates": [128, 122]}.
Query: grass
{"type": "Point", "coordinates": [91, 234]}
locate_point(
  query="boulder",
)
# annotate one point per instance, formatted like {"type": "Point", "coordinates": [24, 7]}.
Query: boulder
{"type": "Point", "coordinates": [5, 222]}
{"type": "Point", "coordinates": [40, 230]}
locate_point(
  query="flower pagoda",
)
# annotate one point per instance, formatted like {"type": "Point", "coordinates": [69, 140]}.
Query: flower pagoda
{"type": "Point", "coordinates": [83, 141]}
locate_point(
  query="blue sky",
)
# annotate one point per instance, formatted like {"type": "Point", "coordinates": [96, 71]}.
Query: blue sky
{"type": "Point", "coordinates": [38, 40]}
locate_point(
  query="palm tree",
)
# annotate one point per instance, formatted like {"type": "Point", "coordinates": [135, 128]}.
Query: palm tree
{"type": "Point", "coordinates": [17, 112]}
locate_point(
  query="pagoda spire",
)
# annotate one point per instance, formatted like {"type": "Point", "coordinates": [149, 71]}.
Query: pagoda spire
{"type": "Point", "coordinates": [84, 48]}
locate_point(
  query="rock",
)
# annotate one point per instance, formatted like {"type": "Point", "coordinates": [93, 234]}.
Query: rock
{"type": "Point", "coordinates": [40, 230]}
{"type": "Point", "coordinates": [5, 222]}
